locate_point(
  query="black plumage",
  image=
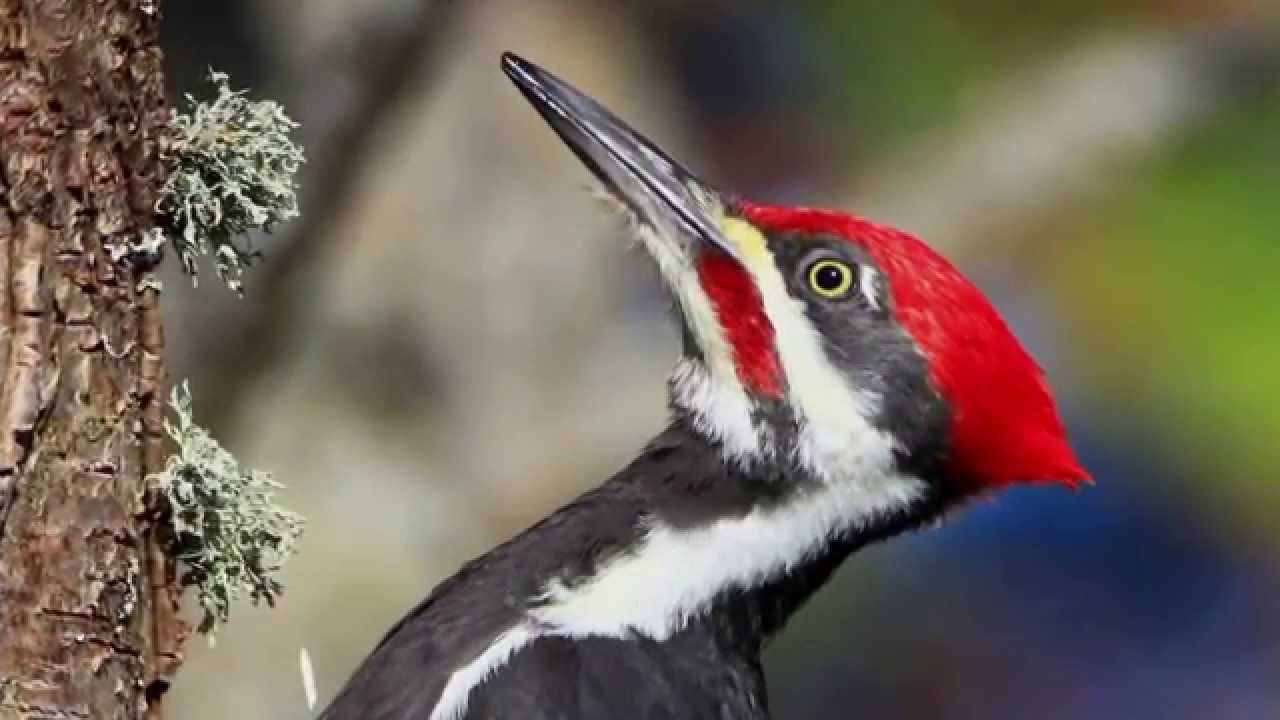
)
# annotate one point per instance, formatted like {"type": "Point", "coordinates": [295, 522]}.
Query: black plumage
{"type": "Point", "coordinates": [710, 669]}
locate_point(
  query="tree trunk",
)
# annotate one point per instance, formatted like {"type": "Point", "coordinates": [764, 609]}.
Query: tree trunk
{"type": "Point", "coordinates": [87, 601]}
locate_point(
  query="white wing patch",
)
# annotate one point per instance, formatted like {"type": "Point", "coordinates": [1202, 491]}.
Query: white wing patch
{"type": "Point", "coordinates": [457, 692]}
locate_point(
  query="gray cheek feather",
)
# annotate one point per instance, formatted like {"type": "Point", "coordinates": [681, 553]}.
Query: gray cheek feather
{"type": "Point", "coordinates": [878, 354]}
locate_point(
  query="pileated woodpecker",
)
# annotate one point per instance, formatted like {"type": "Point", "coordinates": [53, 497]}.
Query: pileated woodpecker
{"type": "Point", "coordinates": [840, 383]}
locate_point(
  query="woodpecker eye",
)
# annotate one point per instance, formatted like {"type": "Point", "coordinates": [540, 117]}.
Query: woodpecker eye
{"type": "Point", "coordinates": [831, 279]}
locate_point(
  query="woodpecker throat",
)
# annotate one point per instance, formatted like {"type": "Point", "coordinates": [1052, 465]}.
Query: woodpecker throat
{"type": "Point", "coordinates": [840, 383]}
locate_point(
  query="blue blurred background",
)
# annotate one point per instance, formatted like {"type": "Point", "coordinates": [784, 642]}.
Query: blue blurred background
{"type": "Point", "coordinates": [453, 340]}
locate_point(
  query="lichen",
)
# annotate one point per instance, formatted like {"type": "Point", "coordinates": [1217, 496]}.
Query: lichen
{"type": "Point", "coordinates": [222, 523]}
{"type": "Point", "coordinates": [141, 249]}
{"type": "Point", "coordinates": [128, 593]}
{"type": "Point", "coordinates": [232, 169]}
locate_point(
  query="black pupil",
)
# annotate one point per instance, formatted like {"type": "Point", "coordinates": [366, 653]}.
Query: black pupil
{"type": "Point", "coordinates": [830, 277]}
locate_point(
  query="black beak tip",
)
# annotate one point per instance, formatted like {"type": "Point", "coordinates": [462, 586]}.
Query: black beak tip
{"type": "Point", "coordinates": [611, 149]}
{"type": "Point", "coordinates": [528, 77]}
{"type": "Point", "coordinates": [514, 65]}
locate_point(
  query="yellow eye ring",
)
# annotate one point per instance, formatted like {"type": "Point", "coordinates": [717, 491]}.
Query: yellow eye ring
{"type": "Point", "coordinates": [830, 279]}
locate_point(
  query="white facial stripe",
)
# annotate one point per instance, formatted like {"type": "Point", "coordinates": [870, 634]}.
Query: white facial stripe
{"type": "Point", "coordinates": [837, 440]}
{"type": "Point", "coordinates": [710, 391]}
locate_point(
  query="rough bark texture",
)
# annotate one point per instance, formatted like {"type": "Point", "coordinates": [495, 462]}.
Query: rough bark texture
{"type": "Point", "coordinates": [87, 602]}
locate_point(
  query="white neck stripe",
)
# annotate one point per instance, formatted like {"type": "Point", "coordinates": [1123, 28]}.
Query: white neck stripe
{"type": "Point", "coordinates": [674, 575]}
{"type": "Point", "coordinates": [677, 574]}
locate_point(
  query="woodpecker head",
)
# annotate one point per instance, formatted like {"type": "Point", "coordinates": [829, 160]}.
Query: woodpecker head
{"type": "Point", "coordinates": [819, 343]}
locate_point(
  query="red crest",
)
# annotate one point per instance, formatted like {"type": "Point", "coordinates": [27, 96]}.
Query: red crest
{"type": "Point", "coordinates": [1005, 427]}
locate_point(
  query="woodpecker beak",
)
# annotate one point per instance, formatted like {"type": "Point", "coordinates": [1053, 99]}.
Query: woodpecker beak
{"type": "Point", "coordinates": [660, 192]}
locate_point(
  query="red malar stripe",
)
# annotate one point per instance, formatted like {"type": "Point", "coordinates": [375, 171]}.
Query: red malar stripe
{"type": "Point", "coordinates": [737, 304]}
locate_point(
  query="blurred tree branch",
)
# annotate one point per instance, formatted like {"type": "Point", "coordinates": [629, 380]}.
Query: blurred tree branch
{"type": "Point", "coordinates": [396, 61]}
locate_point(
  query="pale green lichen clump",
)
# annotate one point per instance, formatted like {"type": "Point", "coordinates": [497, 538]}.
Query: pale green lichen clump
{"type": "Point", "coordinates": [232, 171]}
{"type": "Point", "coordinates": [222, 522]}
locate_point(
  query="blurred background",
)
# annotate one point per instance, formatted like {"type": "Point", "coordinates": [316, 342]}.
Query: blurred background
{"type": "Point", "coordinates": [453, 339]}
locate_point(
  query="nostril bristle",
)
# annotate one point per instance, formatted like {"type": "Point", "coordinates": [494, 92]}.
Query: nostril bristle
{"type": "Point", "coordinates": [631, 222]}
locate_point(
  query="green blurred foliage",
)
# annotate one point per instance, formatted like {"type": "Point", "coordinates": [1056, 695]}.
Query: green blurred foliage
{"type": "Point", "coordinates": [1170, 281]}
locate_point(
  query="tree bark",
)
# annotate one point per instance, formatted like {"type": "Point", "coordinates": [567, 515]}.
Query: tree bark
{"type": "Point", "coordinates": [88, 623]}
